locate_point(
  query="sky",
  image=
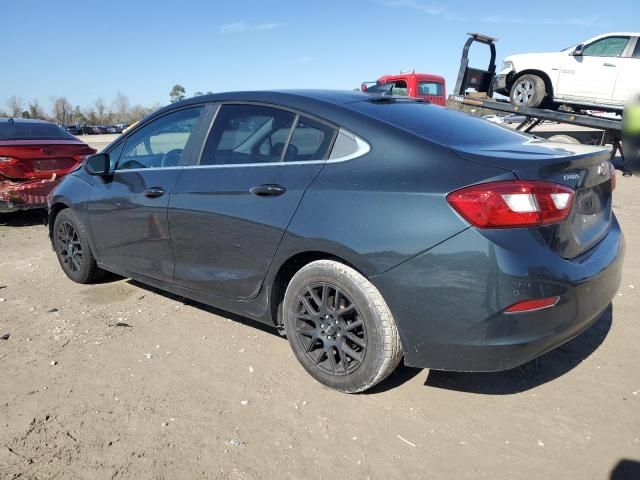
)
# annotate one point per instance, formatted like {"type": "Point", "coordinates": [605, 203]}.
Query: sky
{"type": "Point", "coordinates": [89, 49]}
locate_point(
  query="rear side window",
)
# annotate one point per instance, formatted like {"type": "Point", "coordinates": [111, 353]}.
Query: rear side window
{"type": "Point", "coordinates": [399, 88]}
{"type": "Point", "coordinates": [429, 88]}
{"type": "Point", "coordinates": [32, 131]}
{"type": "Point", "coordinates": [606, 47]}
{"type": "Point", "coordinates": [636, 52]}
{"type": "Point", "coordinates": [246, 134]}
{"type": "Point", "coordinates": [311, 140]}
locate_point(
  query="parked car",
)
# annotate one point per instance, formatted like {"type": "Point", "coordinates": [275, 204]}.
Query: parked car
{"type": "Point", "coordinates": [600, 72]}
{"type": "Point", "coordinates": [513, 118]}
{"type": "Point", "coordinates": [72, 129]}
{"type": "Point", "coordinates": [87, 130]}
{"type": "Point", "coordinates": [369, 228]}
{"type": "Point", "coordinates": [415, 85]}
{"type": "Point", "coordinates": [34, 156]}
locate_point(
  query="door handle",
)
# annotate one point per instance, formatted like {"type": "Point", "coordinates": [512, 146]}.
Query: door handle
{"type": "Point", "coordinates": [268, 190]}
{"type": "Point", "coordinates": [154, 192]}
{"type": "Point", "coordinates": [609, 64]}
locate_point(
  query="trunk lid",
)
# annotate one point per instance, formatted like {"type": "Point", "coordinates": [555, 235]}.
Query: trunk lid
{"type": "Point", "coordinates": [585, 169]}
{"type": "Point", "coordinates": [24, 160]}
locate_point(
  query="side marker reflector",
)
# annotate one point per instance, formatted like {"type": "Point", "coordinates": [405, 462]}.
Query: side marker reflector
{"type": "Point", "coordinates": [532, 305]}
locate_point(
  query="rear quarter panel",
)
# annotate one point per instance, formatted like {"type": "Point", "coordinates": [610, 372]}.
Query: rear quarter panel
{"type": "Point", "coordinates": [384, 208]}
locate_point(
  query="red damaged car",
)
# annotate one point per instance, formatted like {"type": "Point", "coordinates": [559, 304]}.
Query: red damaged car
{"type": "Point", "coordinates": [34, 156]}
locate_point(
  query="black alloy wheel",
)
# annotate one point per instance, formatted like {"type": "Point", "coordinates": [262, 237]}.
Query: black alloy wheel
{"type": "Point", "coordinates": [69, 247]}
{"type": "Point", "coordinates": [72, 247]}
{"type": "Point", "coordinates": [331, 329]}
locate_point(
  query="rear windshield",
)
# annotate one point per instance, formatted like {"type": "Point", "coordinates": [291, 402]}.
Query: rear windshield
{"type": "Point", "coordinates": [440, 125]}
{"type": "Point", "coordinates": [32, 131]}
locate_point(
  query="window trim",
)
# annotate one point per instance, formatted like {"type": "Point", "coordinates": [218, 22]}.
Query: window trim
{"type": "Point", "coordinates": [363, 146]}
{"type": "Point", "coordinates": [336, 129]}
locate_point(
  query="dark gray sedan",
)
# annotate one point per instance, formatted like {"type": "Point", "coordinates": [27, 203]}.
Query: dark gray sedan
{"type": "Point", "coordinates": [368, 229]}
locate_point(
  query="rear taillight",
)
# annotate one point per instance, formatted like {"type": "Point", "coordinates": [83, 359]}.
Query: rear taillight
{"type": "Point", "coordinates": [513, 203]}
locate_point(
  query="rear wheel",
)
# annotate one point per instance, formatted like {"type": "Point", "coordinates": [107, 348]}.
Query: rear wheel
{"type": "Point", "coordinates": [71, 244]}
{"type": "Point", "coordinates": [528, 91]}
{"type": "Point", "coordinates": [564, 139]}
{"type": "Point", "coordinates": [340, 327]}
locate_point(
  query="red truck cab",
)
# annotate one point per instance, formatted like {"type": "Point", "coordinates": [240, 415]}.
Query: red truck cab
{"type": "Point", "coordinates": [415, 85]}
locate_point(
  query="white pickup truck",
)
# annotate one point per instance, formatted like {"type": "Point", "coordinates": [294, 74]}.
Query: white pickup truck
{"type": "Point", "coordinates": [602, 72]}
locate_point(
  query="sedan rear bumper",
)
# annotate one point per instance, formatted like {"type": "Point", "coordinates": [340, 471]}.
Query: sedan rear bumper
{"type": "Point", "coordinates": [24, 195]}
{"type": "Point", "coordinates": [449, 302]}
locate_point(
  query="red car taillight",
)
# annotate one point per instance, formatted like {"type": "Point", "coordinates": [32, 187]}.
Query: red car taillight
{"type": "Point", "coordinates": [513, 203]}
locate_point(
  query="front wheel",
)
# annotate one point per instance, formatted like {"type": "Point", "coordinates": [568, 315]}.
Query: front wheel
{"type": "Point", "coordinates": [339, 327]}
{"type": "Point", "coordinates": [528, 91]}
{"type": "Point", "coordinates": [72, 248]}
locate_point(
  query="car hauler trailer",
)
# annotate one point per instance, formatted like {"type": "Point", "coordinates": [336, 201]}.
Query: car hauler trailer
{"type": "Point", "coordinates": [576, 126]}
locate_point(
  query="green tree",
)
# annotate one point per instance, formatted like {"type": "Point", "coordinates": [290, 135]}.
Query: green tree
{"type": "Point", "coordinates": [78, 116]}
{"type": "Point", "coordinates": [177, 93]}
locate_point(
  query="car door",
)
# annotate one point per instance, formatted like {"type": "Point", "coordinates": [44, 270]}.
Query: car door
{"type": "Point", "coordinates": [628, 81]}
{"type": "Point", "coordinates": [128, 209]}
{"type": "Point", "coordinates": [592, 74]}
{"type": "Point", "coordinates": [228, 214]}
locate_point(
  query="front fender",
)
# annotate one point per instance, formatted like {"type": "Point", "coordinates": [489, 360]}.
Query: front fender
{"type": "Point", "coordinates": [72, 192]}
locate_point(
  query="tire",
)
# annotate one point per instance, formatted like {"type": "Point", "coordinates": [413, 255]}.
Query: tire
{"type": "Point", "coordinates": [71, 244]}
{"type": "Point", "coordinates": [528, 91]}
{"type": "Point", "coordinates": [351, 351]}
{"type": "Point", "coordinates": [564, 139]}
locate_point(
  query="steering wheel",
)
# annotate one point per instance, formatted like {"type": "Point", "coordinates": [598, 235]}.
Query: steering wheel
{"type": "Point", "coordinates": [130, 164]}
{"type": "Point", "coordinates": [171, 158]}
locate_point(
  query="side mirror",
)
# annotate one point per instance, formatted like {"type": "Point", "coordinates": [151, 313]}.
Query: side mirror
{"type": "Point", "coordinates": [98, 164]}
{"type": "Point", "coordinates": [577, 52]}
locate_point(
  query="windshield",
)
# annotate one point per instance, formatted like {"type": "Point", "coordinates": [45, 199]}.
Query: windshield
{"type": "Point", "coordinates": [32, 131]}
{"type": "Point", "coordinates": [382, 88]}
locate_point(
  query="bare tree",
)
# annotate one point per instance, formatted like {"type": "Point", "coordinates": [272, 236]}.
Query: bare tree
{"type": "Point", "coordinates": [35, 110]}
{"type": "Point", "coordinates": [62, 110]}
{"type": "Point", "coordinates": [138, 112]}
{"type": "Point", "coordinates": [100, 108]}
{"type": "Point", "coordinates": [16, 106]}
{"type": "Point", "coordinates": [121, 107]}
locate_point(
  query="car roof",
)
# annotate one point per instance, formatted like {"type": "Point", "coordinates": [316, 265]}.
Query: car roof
{"type": "Point", "coordinates": [418, 76]}
{"type": "Point", "coordinates": [318, 102]}
{"type": "Point", "coordinates": [336, 97]}
{"type": "Point", "coordinates": [610, 34]}
{"type": "Point", "coordinates": [21, 120]}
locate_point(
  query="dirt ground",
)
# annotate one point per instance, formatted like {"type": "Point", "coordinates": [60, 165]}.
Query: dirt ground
{"type": "Point", "coordinates": [117, 380]}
